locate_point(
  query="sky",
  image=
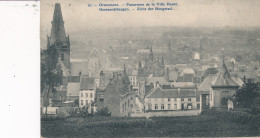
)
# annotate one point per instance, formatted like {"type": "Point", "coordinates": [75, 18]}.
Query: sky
{"type": "Point", "coordinates": [191, 13]}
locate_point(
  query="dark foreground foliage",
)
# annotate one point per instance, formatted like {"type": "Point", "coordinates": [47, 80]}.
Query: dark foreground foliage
{"type": "Point", "coordinates": [101, 126]}
{"type": "Point", "coordinates": [232, 116]}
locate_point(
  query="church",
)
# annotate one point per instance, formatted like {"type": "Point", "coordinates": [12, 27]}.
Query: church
{"type": "Point", "coordinates": [152, 67]}
{"type": "Point", "coordinates": [72, 69]}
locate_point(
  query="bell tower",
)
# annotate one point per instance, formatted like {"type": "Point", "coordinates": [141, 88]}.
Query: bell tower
{"type": "Point", "coordinates": [58, 36]}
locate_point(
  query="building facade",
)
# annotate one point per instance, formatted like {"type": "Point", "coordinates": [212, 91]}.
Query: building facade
{"type": "Point", "coordinates": [87, 91]}
{"type": "Point", "coordinates": [171, 99]}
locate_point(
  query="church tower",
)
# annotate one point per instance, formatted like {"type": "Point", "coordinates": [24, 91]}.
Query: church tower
{"type": "Point", "coordinates": [58, 37]}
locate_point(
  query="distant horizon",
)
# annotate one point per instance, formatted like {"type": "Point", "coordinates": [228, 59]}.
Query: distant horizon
{"type": "Point", "coordinates": [189, 13]}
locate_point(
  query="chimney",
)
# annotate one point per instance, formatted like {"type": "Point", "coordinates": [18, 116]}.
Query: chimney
{"type": "Point", "coordinates": [151, 85]}
{"type": "Point", "coordinates": [157, 84]}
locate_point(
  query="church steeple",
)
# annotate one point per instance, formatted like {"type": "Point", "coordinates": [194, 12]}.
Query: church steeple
{"type": "Point", "coordinates": [151, 54]}
{"type": "Point", "coordinates": [162, 62]}
{"type": "Point", "coordinates": [125, 78]}
{"type": "Point", "coordinates": [58, 36]}
{"type": "Point", "coordinates": [57, 29]}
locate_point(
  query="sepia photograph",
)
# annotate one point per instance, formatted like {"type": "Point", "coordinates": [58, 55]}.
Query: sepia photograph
{"type": "Point", "coordinates": [149, 68]}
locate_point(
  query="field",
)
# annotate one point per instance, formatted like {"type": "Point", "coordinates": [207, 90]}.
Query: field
{"type": "Point", "coordinates": [201, 125]}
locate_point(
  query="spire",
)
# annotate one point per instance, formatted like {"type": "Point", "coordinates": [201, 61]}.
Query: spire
{"type": "Point", "coordinates": [151, 54]}
{"type": "Point", "coordinates": [162, 62]}
{"type": "Point", "coordinates": [139, 65]}
{"type": "Point", "coordinates": [57, 29]}
{"type": "Point", "coordinates": [224, 71]}
{"type": "Point", "coordinates": [224, 78]}
{"type": "Point", "coordinates": [125, 78]}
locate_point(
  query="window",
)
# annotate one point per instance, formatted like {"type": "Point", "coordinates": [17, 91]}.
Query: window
{"type": "Point", "coordinates": [169, 99]}
{"type": "Point", "coordinates": [86, 94]}
{"type": "Point", "coordinates": [156, 106]}
{"type": "Point", "coordinates": [175, 99]}
{"type": "Point", "coordinates": [189, 99]}
{"type": "Point", "coordinates": [162, 106]}
{"type": "Point", "coordinates": [101, 98]}
{"type": "Point", "coordinates": [91, 101]}
{"type": "Point", "coordinates": [81, 102]}
{"type": "Point", "coordinates": [81, 94]}
{"type": "Point", "coordinates": [175, 106]}
{"type": "Point", "coordinates": [149, 106]}
{"type": "Point", "coordinates": [182, 99]}
{"type": "Point", "coordinates": [132, 105]}
{"type": "Point", "coordinates": [86, 102]}
{"type": "Point", "coordinates": [123, 107]}
{"type": "Point", "coordinates": [62, 56]}
{"type": "Point", "coordinates": [91, 95]}
{"type": "Point", "coordinates": [198, 106]}
{"type": "Point", "coordinates": [169, 106]}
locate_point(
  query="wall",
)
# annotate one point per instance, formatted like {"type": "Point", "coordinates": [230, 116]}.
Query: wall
{"type": "Point", "coordinates": [85, 96]}
{"type": "Point", "coordinates": [126, 105]}
{"type": "Point", "coordinates": [172, 103]}
{"type": "Point", "coordinates": [219, 93]}
{"type": "Point", "coordinates": [112, 100]}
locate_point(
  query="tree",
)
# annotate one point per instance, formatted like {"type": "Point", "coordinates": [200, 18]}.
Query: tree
{"type": "Point", "coordinates": [51, 72]}
{"type": "Point", "coordinates": [245, 96]}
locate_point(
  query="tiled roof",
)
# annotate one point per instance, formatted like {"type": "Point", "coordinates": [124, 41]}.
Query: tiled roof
{"type": "Point", "coordinates": [134, 73]}
{"type": "Point", "coordinates": [74, 79]}
{"type": "Point", "coordinates": [224, 78]}
{"type": "Point", "coordinates": [187, 93]}
{"type": "Point", "coordinates": [161, 80]}
{"type": "Point", "coordinates": [116, 85]}
{"type": "Point", "coordinates": [173, 75]}
{"type": "Point", "coordinates": [187, 71]}
{"type": "Point", "coordinates": [182, 84]}
{"type": "Point", "coordinates": [73, 89]}
{"type": "Point", "coordinates": [205, 85]}
{"type": "Point", "coordinates": [158, 92]}
{"type": "Point", "coordinates": [87, 84]}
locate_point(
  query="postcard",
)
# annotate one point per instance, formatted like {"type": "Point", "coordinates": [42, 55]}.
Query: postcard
{"type": "Point", "coordinates": [150, 68]}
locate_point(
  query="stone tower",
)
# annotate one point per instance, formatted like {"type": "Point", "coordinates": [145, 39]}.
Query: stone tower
{"type": "Point", "coordinates": [58, 37]}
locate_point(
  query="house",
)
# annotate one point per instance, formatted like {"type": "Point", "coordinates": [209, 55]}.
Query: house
{"type": "Point", "coordinates": [159, 99]}
{"type": "Point", "coordinates": [73, 88]}
{"type": "Point", "coordinates": [217, 86]}
{"type": "Point", "coordinates": [117, 95]}
{"type": "Point", "coordinates": [186, 75]}
{"type": "Point", "coordinates": [87, 91]}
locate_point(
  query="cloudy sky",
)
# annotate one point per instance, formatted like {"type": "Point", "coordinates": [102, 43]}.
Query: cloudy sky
{"type": "Point", "coordinates": [196, 13]}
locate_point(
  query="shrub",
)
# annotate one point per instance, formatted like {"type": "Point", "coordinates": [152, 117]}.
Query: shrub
{"type": "Point", "coordinates": [233, 116]}
{"type": "Point", "coordinates": [103, 112]}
